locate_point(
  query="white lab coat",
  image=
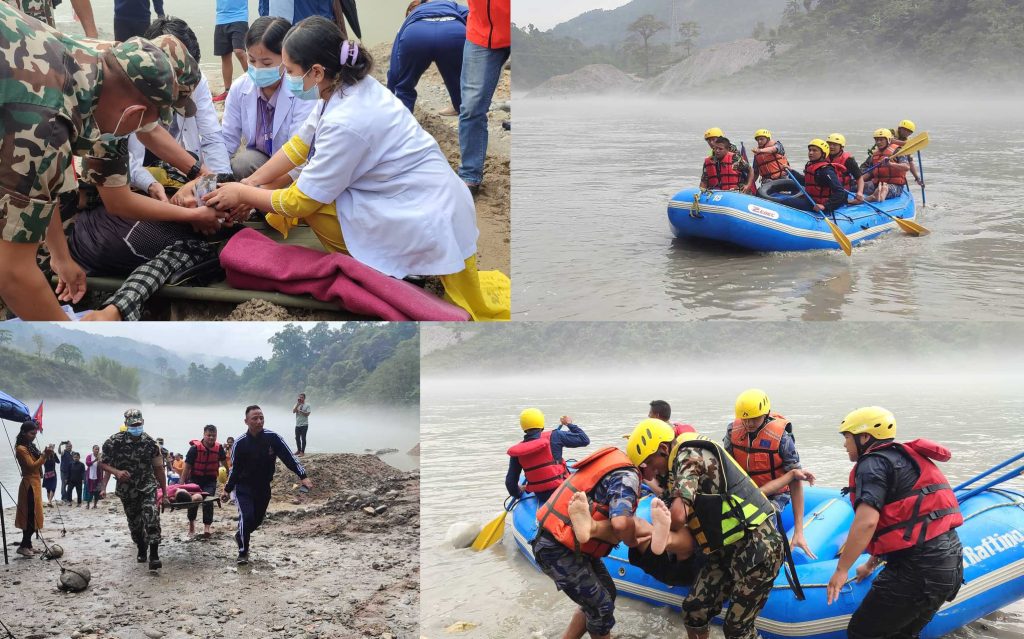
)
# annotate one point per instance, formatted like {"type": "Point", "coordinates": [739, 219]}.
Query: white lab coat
{"type": "Point", "coordinates": [402, 208]}
{"type": "Point", "coordinates": [200, 135]}
{"type": "Point", "coordinates": [240, 115]}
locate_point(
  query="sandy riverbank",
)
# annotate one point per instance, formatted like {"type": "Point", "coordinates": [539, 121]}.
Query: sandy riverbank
{"type": "Point", "coordinates": [322, 569]}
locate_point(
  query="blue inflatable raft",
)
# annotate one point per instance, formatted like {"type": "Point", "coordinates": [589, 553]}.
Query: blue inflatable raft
{"type": "Point", "coordinates": [761, 224]}
{"type": "Point", "coordinates": [992, 536]}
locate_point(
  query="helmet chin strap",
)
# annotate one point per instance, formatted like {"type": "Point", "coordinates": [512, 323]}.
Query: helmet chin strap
{"type": "Point", "coordinates": [863, 447]}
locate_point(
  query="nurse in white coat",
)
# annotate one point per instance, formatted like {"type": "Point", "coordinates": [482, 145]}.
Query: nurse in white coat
{"type": "Point", "coordinates": [259, 114]}
{"type": "Point", "coordinates": [373, 183]}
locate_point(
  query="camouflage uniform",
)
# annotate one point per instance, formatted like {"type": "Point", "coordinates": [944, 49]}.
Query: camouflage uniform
{"type": "Point", "coordinates": [138, 494]}
{"type": "Point", "coordinates": [742, 572]}
{"type": "Point", "coordinates": [584, 578]}
{"type": "Point", "coordinates": [50, 86]}
{"type": "Point", "coordinates": [742, 167]}
{"type": "Point", "coordinates": [41, 10]}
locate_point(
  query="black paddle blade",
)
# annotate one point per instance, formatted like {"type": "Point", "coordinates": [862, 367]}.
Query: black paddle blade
{"type": "Point", "coordinates": [348, 7]}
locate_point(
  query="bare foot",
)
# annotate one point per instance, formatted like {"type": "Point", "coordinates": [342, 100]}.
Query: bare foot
{"type": "Point", "coordinates": [108, 314]}
{"type": "Point", "coordinates": [661, 519]}
{"type": "Point", "coordinates": [191, 529]}
{"type": "Point", "coordinates": [579, 515]}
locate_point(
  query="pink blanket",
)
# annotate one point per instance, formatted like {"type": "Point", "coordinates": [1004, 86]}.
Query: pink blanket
{"type": "Point", "coordinates": [258, 263]}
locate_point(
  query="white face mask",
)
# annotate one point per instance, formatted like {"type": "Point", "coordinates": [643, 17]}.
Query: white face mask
{"type": "Point", "coordinates": [148, 128]}
{"type": "Point", "coordinates": [113, 137]}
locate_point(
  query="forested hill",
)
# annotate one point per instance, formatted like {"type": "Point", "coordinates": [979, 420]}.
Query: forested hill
{"type": "Point", "coordinates": [24, 375]}
{"type": "Point", "coordinates": [913, 41]}
{"type": "Point", "coordinates": [354, 362]}
{"type": "Point", "coordinates": [629, 347]}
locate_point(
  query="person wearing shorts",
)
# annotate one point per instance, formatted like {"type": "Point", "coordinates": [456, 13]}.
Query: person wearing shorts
{"type": "Point", "coordinates": [229, 39]}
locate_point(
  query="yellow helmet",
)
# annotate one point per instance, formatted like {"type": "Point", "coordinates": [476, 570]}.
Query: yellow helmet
{"type": "Point", "coordinates": [762, 133]}
{"type": "Point", "coordinates": [820, 144]}
{"type": "Point", "coordinates": [753, 402]}
{"type": "Point", "coordinates": [646, 437]}
{"type": "Point", "coordinates": [908, 125]}
{"type": "Point", "coordinates": [531, 418]}
{"type": "Point", "coordinates": [871, 420]}
{"type": "Point", "coordinates": [883, 133]}
{"type": "Point", "coordinates": [713, 132]}
{"type": "Point", "coordinates": [838, 138]}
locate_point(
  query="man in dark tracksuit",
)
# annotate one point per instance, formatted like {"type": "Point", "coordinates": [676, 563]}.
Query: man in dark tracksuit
{"type": "Point", "coordinates": [253, 460]}
{"type": "Point", "coordinates": [433, 31]}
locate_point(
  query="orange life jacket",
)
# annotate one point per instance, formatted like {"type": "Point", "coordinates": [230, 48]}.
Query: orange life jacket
{"type": "Point", "coordinates": [886, 172]}
{"type": "Point", "coordinates": [820, 193]}
{"type": "Point", "coordinates": [553, 515]}
{"type": "Point", "coordinates": [771, 166]}
{"type": "Point", "coordinates": [207, 459]}
{"type": "Point", "coordinates": [761, 459]}
{"type": "Point", "coordinates": [722, 175]}
{"type": "Point", "coordinates": [543, 471]}
{"type": "Point", "coordinates": [927, 511]}
{"type": "Point", "coordinates": [839, 162]}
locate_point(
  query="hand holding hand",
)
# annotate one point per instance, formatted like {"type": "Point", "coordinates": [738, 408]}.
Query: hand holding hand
{"type": "Point", "coordinates": [71, 284]}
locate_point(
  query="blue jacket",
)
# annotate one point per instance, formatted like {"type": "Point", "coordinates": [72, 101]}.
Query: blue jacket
{"type": "Point", "coordinates": [253, 460]}
{"type": "Point", "coordinates": [574, 438]}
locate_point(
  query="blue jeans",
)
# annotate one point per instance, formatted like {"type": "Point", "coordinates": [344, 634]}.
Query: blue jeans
{"type": "Point", "coordinates": [481, 68]}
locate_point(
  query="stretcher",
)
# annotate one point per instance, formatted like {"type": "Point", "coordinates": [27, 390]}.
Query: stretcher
{"type": "Point", "coordinates": [178, 505]}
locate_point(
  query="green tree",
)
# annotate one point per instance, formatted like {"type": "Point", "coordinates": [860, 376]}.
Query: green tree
{"type": "Point", "coordinates": [68, 353]}
{"type": "Point", "coordinates": [122, 377]}
{"type": "Point", "coordinates": [40, 344]}
{"type": "Point", "coordinates": [5, 336]}
{"type": "Point", "coordinates": [645, 27]}
{"type": "Point", "coordinates": [161, 365]}
{"type": "Point", "coordinates": [689, 32]}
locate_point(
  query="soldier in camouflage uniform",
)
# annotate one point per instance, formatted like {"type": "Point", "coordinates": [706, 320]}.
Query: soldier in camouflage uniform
{"type": "Point", "coordinates": [61, 97]}
{"type": "Point", "coordinates": [133, 458]}
{"type": "Point", "coordinates": [729, 518]}
{"type": "Point", "coordinates": [42, 10]}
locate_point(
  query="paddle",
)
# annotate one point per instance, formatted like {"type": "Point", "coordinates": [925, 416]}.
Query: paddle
{"type": "Point", "coordinates": [908, 226]}
{"type": "Point", "coordinates": [493, 531]}
{"type": "Point", "coordinates": [998, 480]}
{"type": "Point", "coordinates": [920, 167]}
{"type": "Point", "coordinates": [990, 471]}
{"type": "Point", "coordinates": [844, 242]}
{"type": "Point", "coordinates": [913, 145]}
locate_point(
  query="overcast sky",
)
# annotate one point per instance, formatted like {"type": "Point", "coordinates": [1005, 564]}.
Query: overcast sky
{"type": "Point", "coordinates": [545, 14]}
{"type": "Point", "coordinates": [244, 340]}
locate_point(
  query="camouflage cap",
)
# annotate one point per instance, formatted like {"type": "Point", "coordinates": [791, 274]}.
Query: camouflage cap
{"type": "Point", "coordinates": [152, 72]}
{"type": "Point", "coordinates": [186, 72]}
{"type": "Point", "coordinates": [132, 416]}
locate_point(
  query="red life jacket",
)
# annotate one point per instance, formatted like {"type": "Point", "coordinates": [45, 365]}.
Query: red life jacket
{"type": "Point", "coordinates": [761, 459]}
{"type": "Point", "coordinates": [927, 511]}
{"type": "Point", "coordinates": [722, 175]}
{"type": "Point", "coordinates": [542, 471]}
{"type": "Point", "coordinates": [680, 428]}
{"type": "Point", "coordinates": [839, 162]}
{"type": "Point", "coordinates": [771, 166]}
{"type": "Point", "coordinates": [886, 172]}
{"type": "Point", "coordinates": [207, 459]}
{"type": "Point", "coordinates": [820, 193]}
{"type": "Point", "coordinates": [553, 516]}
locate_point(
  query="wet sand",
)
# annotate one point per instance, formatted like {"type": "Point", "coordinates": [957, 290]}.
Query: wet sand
{"type": "Point", "coordinates": [321, 569]}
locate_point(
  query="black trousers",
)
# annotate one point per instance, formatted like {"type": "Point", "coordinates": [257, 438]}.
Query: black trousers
{"type": "Point", "coordinates": [208, 485]}
{"type": "Point", "coordinates": [125, 28]}
{"type": "Point", "coordinates": [252, 508]}
{"type": "Point", "coordinates": [300, 438]}
{"type": "Point", "coordinates": [903, 599]}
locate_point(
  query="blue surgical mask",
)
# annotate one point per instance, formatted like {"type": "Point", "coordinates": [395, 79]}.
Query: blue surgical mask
{"type": "Point", "coordinates": [135, 431]}
{"type": "Point", "coordinates": [264, 77]}
{"type": "Point", "coordinates": [296, 85]}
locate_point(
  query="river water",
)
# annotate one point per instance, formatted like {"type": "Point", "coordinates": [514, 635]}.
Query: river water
{"type": "Point", "coordinates": [467, 423]}
{"type": "Point", "coordinates": [380, 21]}
{"type": "Point", "coordinates": [331, 429]}
{"type": "Point", "coordinates": [592, 178]}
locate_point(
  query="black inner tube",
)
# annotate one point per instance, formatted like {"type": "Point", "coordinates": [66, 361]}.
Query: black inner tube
{"type": "Point", "coordinates": [784, 191]}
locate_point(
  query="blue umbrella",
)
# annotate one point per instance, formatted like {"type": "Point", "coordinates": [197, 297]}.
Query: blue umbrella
{"type": "Point", "coordinates": [13, 409]}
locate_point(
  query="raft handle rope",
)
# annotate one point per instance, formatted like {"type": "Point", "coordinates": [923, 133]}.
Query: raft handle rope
{"type": "Point", "coordinates": [789, 568]}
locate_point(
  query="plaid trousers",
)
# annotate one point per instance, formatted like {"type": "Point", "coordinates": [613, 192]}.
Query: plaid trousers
{"type": "Point", "coordinates": [149, 277]}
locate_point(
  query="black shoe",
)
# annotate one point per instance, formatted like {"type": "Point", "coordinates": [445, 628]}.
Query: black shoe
{"type": "Point", "coordinates": [474, 189]}
{"type": "Point", "coordinates": [243, 558]}
{"type": "Point", "coordinates": [141, 558]}
{"type": "Point", "coordinates": [154, 557]}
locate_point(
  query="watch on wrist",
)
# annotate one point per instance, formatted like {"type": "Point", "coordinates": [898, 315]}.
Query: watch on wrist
{"type": "Point", "coordinates": [193, 173]}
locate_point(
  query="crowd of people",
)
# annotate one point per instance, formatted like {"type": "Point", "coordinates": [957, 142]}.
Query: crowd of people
{"type": "Point", "coordinates": [307, 136]}
{"type": "Point", "coordinates": [149, 476]}
{"type": "Point", "coordinates": [716, 525]}
{"type": "Point", "coordinates": [830, 175]}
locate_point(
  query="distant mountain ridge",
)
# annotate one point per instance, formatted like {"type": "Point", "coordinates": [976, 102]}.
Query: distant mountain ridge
{"type": "Point", "coordinates": [120, 349]}
{"type": "Point", "coordinates": [719, 20]}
